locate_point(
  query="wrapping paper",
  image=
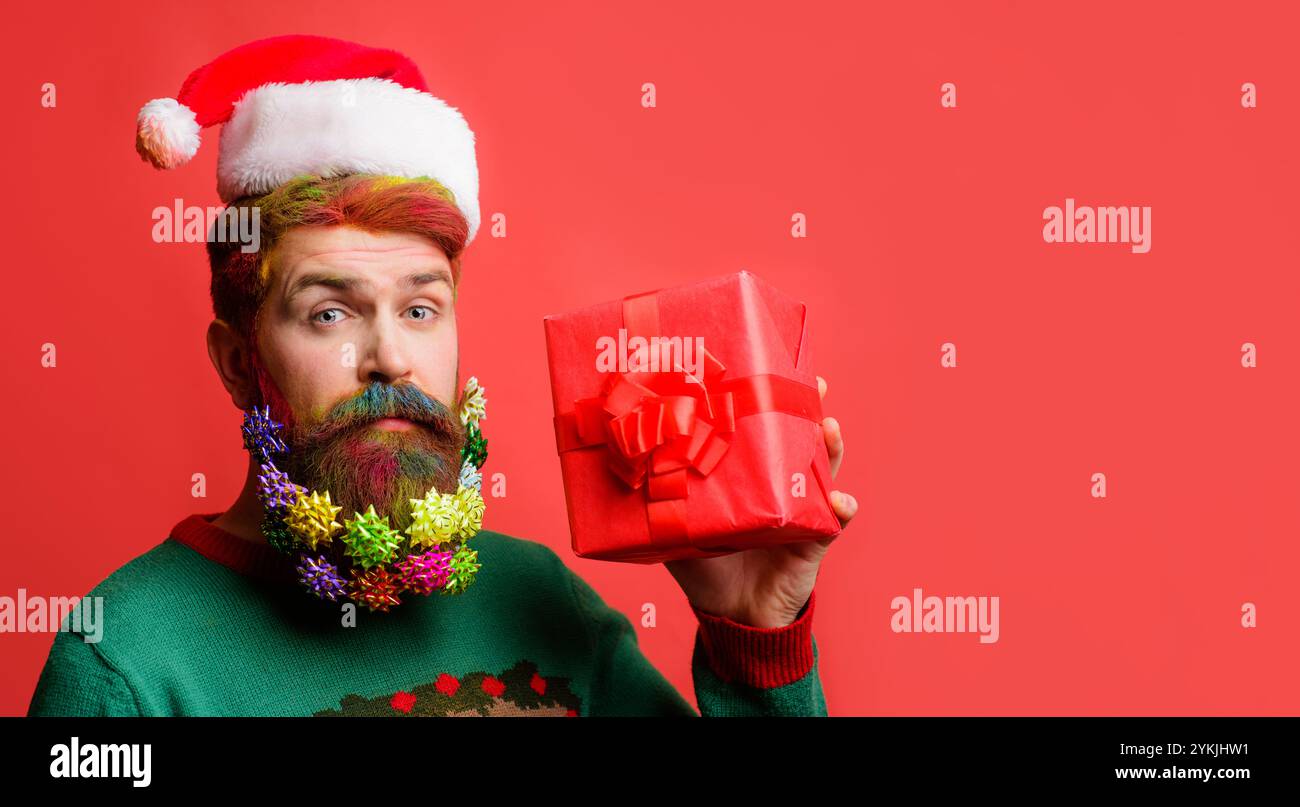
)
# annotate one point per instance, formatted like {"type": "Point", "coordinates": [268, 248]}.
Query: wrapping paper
{"type": "Point", "coordinates": [692, 453]}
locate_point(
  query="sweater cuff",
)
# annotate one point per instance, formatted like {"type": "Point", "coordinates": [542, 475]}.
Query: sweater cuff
{"type": "Point", "coordinates": [762, 658]}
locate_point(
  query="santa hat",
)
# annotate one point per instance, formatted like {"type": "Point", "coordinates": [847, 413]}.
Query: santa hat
{"type": "Point", "coordinates": [296, 105]}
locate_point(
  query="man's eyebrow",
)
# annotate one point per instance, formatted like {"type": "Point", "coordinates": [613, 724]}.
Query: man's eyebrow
{"type": "Point", "coordinates": [349, 283]}
{"type": "Point", "coordinates": [424, 278]}
{"type": "Point", "coordinates": [320, 279]}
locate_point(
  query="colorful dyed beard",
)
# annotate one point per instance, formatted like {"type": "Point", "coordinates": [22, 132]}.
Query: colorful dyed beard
{"type": "Point", "coordinates": [419, 542]}
{"type": "Point", "coordinates": [361, 465]}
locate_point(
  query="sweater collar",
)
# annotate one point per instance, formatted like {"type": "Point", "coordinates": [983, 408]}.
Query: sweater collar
{"type": "Point", "coordinates": [257, 560]}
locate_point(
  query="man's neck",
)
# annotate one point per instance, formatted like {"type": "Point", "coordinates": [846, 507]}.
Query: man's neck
{"type": "Point", "coordinates": [244, 518]}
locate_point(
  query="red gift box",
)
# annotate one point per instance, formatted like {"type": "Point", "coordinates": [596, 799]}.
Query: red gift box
{"type": "Point", "coordinates": [688, 423]}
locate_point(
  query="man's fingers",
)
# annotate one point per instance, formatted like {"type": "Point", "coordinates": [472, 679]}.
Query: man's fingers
{"type": "Point", "coordinates": [821, 387]}
{"type": "Point", "coordinates": [834, 443]}
{"type": "Point", "coordinates": [844, 505]}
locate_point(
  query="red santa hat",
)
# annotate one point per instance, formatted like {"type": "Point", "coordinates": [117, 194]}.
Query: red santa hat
{"type": "Point", "coordinates": [296, 105]}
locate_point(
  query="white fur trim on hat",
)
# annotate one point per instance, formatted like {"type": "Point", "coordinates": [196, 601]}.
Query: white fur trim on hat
{"type": "Point", "coordinates": [166, 133]}
{"type": "Point", "coordinates": [349, 126]}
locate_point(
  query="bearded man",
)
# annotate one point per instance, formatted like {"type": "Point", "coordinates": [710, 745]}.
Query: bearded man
{"type": "Point", "coordinates": [337, 337]}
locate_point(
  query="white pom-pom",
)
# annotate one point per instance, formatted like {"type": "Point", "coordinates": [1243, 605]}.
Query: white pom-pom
{"type": "Point", "coordinates": [167, 133]}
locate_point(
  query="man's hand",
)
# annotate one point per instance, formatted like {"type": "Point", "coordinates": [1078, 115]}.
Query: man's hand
{"type": "Point", "coordinates": [766, 587]}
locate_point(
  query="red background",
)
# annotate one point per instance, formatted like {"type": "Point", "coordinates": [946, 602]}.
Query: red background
{"type": "Point", "coordinates": [924, 226]}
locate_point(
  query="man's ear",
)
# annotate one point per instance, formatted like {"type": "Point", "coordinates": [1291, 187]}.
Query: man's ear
{"type": "Point", "coordinates": [230, 355]}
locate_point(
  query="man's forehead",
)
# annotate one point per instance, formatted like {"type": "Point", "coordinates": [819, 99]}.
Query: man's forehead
{"type": "Point", "coordinates": [361, 256]}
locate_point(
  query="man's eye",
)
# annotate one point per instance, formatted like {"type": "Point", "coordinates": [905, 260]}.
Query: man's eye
{"type": "Point", "coordinates": [337, 315]}
{"type": "Point", "coordinates": [429, 313]}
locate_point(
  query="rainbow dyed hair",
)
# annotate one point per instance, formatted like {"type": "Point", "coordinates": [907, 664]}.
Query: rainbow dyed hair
{"type": "Point", "coordinates": [420, 206]}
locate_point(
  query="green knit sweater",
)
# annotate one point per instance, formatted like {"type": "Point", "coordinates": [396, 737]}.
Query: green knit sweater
{"type": "Point", "coordinates": [208, 624]}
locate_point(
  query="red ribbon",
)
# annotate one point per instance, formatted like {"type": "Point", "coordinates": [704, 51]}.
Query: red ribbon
{"type": "Point", "coordinates": [658, 426]}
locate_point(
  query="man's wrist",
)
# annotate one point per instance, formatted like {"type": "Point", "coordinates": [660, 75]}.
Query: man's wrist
{"type": "Point", "coordinates": [759, 657]}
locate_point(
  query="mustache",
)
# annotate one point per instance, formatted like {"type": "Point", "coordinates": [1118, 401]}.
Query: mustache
{"type": "Point", "coordinates": [378, 401]}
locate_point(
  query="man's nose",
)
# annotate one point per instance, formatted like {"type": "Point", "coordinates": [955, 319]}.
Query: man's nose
{"type": "Point", "coordinates": [385, 358]}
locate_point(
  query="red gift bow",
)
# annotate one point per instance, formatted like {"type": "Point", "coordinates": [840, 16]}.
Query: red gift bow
{"type": "Point", "coordinates": [657, 426]}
